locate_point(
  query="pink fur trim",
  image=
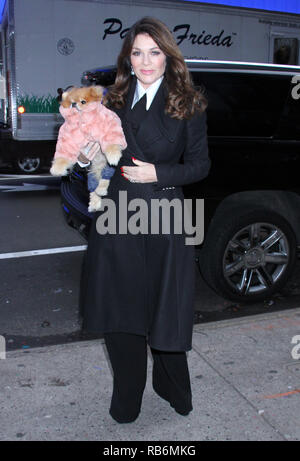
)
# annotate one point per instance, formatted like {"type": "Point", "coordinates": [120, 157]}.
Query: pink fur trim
{"type": "Point", "coordinates": [94, 123]}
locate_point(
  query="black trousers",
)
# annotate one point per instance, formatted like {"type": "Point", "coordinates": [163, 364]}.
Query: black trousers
{"type": "Point", "coordinates": [170, 377]}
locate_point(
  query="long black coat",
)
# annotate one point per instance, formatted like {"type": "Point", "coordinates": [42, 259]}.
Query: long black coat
{"type": "Point", "coordinates": [144, 283]}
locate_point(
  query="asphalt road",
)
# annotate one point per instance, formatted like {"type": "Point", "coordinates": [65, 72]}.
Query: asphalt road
{"type": "Point", "coordinates": [39, 290]}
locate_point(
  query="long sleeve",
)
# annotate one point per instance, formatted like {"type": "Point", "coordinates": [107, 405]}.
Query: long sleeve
{"type": "Point", "coordinates": [112, 132]}
{"type": "Point", "coordinates": [196, 162]}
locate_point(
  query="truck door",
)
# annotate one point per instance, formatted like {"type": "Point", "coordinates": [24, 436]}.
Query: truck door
{"type": "Point", "coordinates": [2, 89]}
{"type": "Point", "coordinates": [5, 109]}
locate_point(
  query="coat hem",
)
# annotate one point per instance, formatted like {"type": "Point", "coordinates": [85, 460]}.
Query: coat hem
{"type": "Point", "coordinates": [154, 345]}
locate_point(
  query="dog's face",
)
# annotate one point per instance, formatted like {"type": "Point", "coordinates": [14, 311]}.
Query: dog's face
{"type": "Point", "coordinates": [81, 97]}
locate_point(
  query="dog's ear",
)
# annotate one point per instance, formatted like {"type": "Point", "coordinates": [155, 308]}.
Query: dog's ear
{"type": "Point", "coordinates": [65, 99]}
{"type": "Point", "coordinates": [96, 91]}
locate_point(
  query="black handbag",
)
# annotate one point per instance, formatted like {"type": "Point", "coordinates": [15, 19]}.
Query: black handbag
{"type": "Point", "coordinates": [75, 199]}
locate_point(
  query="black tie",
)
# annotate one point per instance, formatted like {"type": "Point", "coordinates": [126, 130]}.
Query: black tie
{"type": "Point", "coordinates": [138, 113]}
{"type": "Point", "coordinates": [140, 106]}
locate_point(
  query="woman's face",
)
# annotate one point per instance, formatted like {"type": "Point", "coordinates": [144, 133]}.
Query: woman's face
{"type": "Point", "coordinates": [147, 60]}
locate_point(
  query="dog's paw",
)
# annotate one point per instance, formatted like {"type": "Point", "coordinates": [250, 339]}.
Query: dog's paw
{"type": "Point", "coordinates": [95, 203]}
{"type": "Point", "coordinates": [113, 159]}
{"type": "Point", "coordinates": [59, 167]}
{"type": "Point", "coordinates": [113, 155]}
{"type": "Point", "coordinates": [58, 171]}
{"type": "Point", "coordinates": [102, 187]}
{"type": "Point", "coordinates": [101, 191]}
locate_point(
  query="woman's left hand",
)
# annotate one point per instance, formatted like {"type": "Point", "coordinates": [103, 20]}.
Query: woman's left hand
{"type": "Point", "coordinates": [143, 172]}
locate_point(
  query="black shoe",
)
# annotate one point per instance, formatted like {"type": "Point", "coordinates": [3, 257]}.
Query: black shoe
{"type": "Point", "coordinates": [122, 419]}
{"type": "Point", "coordinates": [180, 411]}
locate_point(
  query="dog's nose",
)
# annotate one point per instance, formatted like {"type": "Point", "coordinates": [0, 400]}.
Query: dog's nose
{"type": "Point", "coordinates": [73, 104]}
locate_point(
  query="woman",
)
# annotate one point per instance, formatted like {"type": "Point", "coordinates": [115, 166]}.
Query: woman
{"type": "Point", "coordinates": [139, 287]}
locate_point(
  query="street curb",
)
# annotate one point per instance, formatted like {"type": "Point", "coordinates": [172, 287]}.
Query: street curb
{"type": "Point", "coordinates": [244, 320]}
{"type": "Point", "coordinates": [197, 329]}
{"type": "Point", "coordinates": [45, 349]}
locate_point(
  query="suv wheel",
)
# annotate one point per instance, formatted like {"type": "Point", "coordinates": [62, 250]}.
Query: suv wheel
{"type": "Point", "coordinates": [249, 257]}
{"type": "Point", "coordinates": [28, 164]}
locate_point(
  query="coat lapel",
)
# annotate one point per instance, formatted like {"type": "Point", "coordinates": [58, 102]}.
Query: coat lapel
{"type": "Point", "coordinates": [157, 123]}
{"type": "Point", "coordinates": [154, 126]}
{"type": "Point", "coordinates": [132, 145]}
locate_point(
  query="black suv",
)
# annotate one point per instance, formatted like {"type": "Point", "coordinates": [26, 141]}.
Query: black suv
{"type": "Point", "coordinates": [252, 201]}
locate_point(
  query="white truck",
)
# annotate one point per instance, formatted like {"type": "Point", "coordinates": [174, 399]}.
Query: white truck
{"type": "Point", "coordinates": [47, 44]}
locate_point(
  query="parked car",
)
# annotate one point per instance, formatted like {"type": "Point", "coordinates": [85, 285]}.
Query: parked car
{"type": "Point", "coordinates": [252, 193]}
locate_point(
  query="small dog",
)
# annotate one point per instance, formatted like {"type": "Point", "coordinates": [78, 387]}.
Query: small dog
{"type": "Point", "coordinates": [87, 120]}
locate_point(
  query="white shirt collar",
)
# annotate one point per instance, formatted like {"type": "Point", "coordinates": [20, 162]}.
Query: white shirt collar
{"type": "Point", "coordinates": [150, 91]}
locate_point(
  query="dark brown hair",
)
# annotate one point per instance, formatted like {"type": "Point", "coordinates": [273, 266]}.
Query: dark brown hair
{"type": "Point", "coordinates": [183, 99]}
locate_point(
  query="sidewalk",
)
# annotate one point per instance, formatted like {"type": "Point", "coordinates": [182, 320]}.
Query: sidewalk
{"type": "Point", "coordinates": [246, 386]}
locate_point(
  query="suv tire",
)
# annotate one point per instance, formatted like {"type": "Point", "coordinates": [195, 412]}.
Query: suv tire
{"type": "Point", "coordinates": [28, 165]}
{"type": "Point", "coordinates": [247, 257]}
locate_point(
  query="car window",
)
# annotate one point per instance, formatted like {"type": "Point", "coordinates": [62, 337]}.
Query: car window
{"type": "Point", "coordinates": [241, 104]}
{"type": "Point", "coordinates": [100, 77]}
{"type": "Point", "coordinates": [289, 127]}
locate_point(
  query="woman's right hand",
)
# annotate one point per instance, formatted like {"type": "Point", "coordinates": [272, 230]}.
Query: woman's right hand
{"type": "Point", "coordinates": [88, 152]}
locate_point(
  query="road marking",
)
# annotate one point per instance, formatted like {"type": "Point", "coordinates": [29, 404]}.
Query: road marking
{"type": "Point", "coordinates": [47, 251]}
{"type": "Point", "coordinates": [21, 183]}
{"type": "Point", "coordinates": [283, 394]}
{"type": "Point", "coordinates": [24, 176]}
{"type": "Point", "coordinates": [25, 187]}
